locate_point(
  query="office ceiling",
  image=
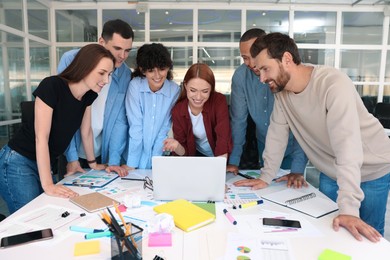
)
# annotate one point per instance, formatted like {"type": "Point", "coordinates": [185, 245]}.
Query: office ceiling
{"type": "Point", "coordinates": [321, 2]}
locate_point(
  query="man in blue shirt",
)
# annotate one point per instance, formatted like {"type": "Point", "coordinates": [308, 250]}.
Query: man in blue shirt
{"type": "Point", "coordinates": [108, 111]}
{"type": "Point", "coordinates": [249, 95]}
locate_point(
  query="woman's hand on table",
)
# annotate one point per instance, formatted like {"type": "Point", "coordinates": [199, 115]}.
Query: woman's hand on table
{"type": "Point", "coordinates": [59, 191]}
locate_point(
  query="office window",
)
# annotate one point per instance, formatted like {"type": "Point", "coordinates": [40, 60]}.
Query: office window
{"type": "Point", "coordinates": [387, 71]}
{"type": "Point", "coordinates": [170, 25]}
{"type": "Point", "coordinates": [135, 19]}
{"type": "Point", "coordinates": [219, 25]}
{"type": "Point", "coordinates": [361, 65]}
{"type": "Point", "coordinates": [269, 21]}
{"type": "Point", "coordinates": [40, 63]}
{"type": "Point", "coordinates": [316, 56]}
{"type": "Point", "coordinates": [386, 94]}
{"type": "Point", "coordinates": [76, 25]}
{"type": "Point", "coordinates": [12, 71]}
{"type": "Point", "coordinates": [362, 27]}
{"type": "Point", "coordinates": [38, 19]}
{"type": "Point", "coordinates": [367, 90]}
{"type": "Point", "coordinates": [315, 27]}
{"type": "Point", "coordinates": [11, 13]}
{"type": "Point", "coordinates": [223, 62]}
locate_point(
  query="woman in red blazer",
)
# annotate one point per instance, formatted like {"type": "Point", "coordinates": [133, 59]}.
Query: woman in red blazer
{"type": "Point", "coordinates": [200, 117]}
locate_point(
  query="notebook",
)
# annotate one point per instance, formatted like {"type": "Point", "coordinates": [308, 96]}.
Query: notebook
{"type": "Point", "coordinates": [307, 200]}
{"type": "Point", "coordinates": [190, 178]}
{"type": "Point", "coordinates": [186, 215]}
{"type": "Point", "coordinates": [94, 201]}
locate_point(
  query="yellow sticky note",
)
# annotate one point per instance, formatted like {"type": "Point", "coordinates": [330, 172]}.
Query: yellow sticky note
{"type": "Point", "coordinates": [87, 248]}
{"type": "Point", "coordinates": [328, 254]}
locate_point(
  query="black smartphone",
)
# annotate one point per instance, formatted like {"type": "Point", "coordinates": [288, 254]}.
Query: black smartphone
{"type": "Point", "coordinates": [277, 222]}
{"type": "Point", "coordinates": [26, 237]}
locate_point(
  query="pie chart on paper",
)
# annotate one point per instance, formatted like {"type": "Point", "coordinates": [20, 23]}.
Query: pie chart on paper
{"type": "Point", "coordinates": [243, 249]}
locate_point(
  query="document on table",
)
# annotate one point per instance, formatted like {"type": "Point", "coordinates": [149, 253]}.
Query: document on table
{"type": "Point", "coordinates": [93, 179]}
{"type": "Point", "coordinates": [307, 200]}
{"type": "Point", "coordinates": [240, 246]}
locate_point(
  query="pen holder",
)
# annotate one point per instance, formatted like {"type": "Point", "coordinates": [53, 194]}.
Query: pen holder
{"type": "Point", "coordinates": [127, 247]}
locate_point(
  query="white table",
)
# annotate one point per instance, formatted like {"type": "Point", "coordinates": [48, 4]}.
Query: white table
{"type": "Point", "coordinates": [387, 131]}
{"type": "Point", "coordinates": [208, 242]}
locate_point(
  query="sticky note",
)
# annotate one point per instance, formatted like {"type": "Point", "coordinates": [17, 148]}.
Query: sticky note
{"type": "Point", "coordinates": [87, 248]}
{"type": "Point", "coordinates": [122, 208]}
{"type": "Point", "coordinates": [160, 239]}
{"type": "Point", "coordinates": [328, 254]}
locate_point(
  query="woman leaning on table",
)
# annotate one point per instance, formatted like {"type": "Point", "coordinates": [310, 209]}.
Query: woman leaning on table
{"type": "Point", "coordinates": [62, 105]}
{"type": "Point", "coordinates": [200, 118]}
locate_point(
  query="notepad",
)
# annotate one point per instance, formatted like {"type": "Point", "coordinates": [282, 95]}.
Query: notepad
{"type": "Point", "coordinates": [209, 206]}
{"type": "Point", "coordinates": [186, 215]}
{"type": "Point", "coordinates": [93, 201]}
{"type": "Point", "coordinates": [87, 248]}
{"type": "Point", "coordinates": [307, 200]}
{"type": "Point", "coordinates": [328, 254]}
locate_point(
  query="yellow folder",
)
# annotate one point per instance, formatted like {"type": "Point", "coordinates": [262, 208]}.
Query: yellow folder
{"type": "Point", "coordinates": [186, 215]}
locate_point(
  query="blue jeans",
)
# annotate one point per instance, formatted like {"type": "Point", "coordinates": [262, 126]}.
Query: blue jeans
{"type": "Point", "coordinates": [373, 207]}
{"type": "Point", "coordinates": [19, 179]}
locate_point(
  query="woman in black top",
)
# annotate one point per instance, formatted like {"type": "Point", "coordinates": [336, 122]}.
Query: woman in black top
{"type": "Point", "coordinates": [62, 106]}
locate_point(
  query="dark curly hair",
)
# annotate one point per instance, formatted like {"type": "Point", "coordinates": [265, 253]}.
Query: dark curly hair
{"type": "Point", "coordinates": [150, 56]}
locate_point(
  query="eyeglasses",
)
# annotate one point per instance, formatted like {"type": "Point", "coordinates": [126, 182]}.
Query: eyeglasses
{"type": "Point", "coordinates": [148, 183]}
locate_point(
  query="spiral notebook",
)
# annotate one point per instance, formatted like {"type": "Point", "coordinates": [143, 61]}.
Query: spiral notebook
{"type": "Point", "coordinates": [307, 200]}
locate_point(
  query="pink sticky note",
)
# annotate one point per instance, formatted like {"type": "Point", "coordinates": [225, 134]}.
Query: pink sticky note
{"type": "Point", "coordinates": [122, 208]}
{"type": "Point", "coordinates": [160, 239]}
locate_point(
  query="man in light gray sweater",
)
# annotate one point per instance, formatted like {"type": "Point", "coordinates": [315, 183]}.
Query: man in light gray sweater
{"type": "Point", "coordinates": [327, 117]}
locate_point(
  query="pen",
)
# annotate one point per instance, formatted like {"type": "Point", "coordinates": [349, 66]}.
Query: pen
{"type": "Point", "coordinates": [249, 204]}
{"type": "Point", "coordinates": [85, 230]}
{"type": "Point", "coordinates": [82, 184]}
{"type": "Point", "coordinates": [245, 176]}
{"type": "Point", "coordinates": [230, 217]}
{"type": "Point", "coordinates": [132, 179]}
{"type": "Point", "coordinates": [98, 235]}
{"type": "Point", "coordinates": [137, 219]}
{"type": "Point", "coordinates": [281, 230]}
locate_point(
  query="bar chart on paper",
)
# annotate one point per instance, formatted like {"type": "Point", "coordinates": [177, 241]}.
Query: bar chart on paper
{"type": "Point", "coordinates": [275, 249]}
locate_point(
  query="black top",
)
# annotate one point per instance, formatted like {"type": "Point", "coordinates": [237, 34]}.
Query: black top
{"type": "Point", "coordinates": [68, 113]}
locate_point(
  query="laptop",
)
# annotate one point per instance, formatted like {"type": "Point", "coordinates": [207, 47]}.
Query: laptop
{"type": "Point", "coordinates": [190, 178]}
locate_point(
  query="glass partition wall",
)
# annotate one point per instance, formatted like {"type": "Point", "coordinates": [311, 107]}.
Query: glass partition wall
{"type": "Point", "coordinates": [34, 36]}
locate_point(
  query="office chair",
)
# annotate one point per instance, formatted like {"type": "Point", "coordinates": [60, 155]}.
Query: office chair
{"type": "Point", "coordinates": [382, 112]}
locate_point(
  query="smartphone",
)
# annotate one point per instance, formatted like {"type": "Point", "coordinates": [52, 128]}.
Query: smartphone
{"type": "Point", "coordinates": [277, 222]}
{"type": "Point", "coordinates": [26, 237]}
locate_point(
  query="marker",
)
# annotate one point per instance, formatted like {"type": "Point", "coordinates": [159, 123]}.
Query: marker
{"type": "Point", "coordinates": [249, 204]}
{"type": "Point", "coordinates": [230, 217]}
{"type": "Point", "coordinates": [98, 235]}
{"type": "Point", "coordinates": [85, 230]}
{"type": "Point", "coordinates": [281, 230]}
{"type": "Point", "coordinates": [82, 184]}
{"type": "Point", "coordinates": [245, 176]}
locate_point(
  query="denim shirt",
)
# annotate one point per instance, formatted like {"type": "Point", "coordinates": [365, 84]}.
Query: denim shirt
{"type": "Point", "coordinates": [149, 116]}
{"type": "Point", "coordinates": [249, 95]}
